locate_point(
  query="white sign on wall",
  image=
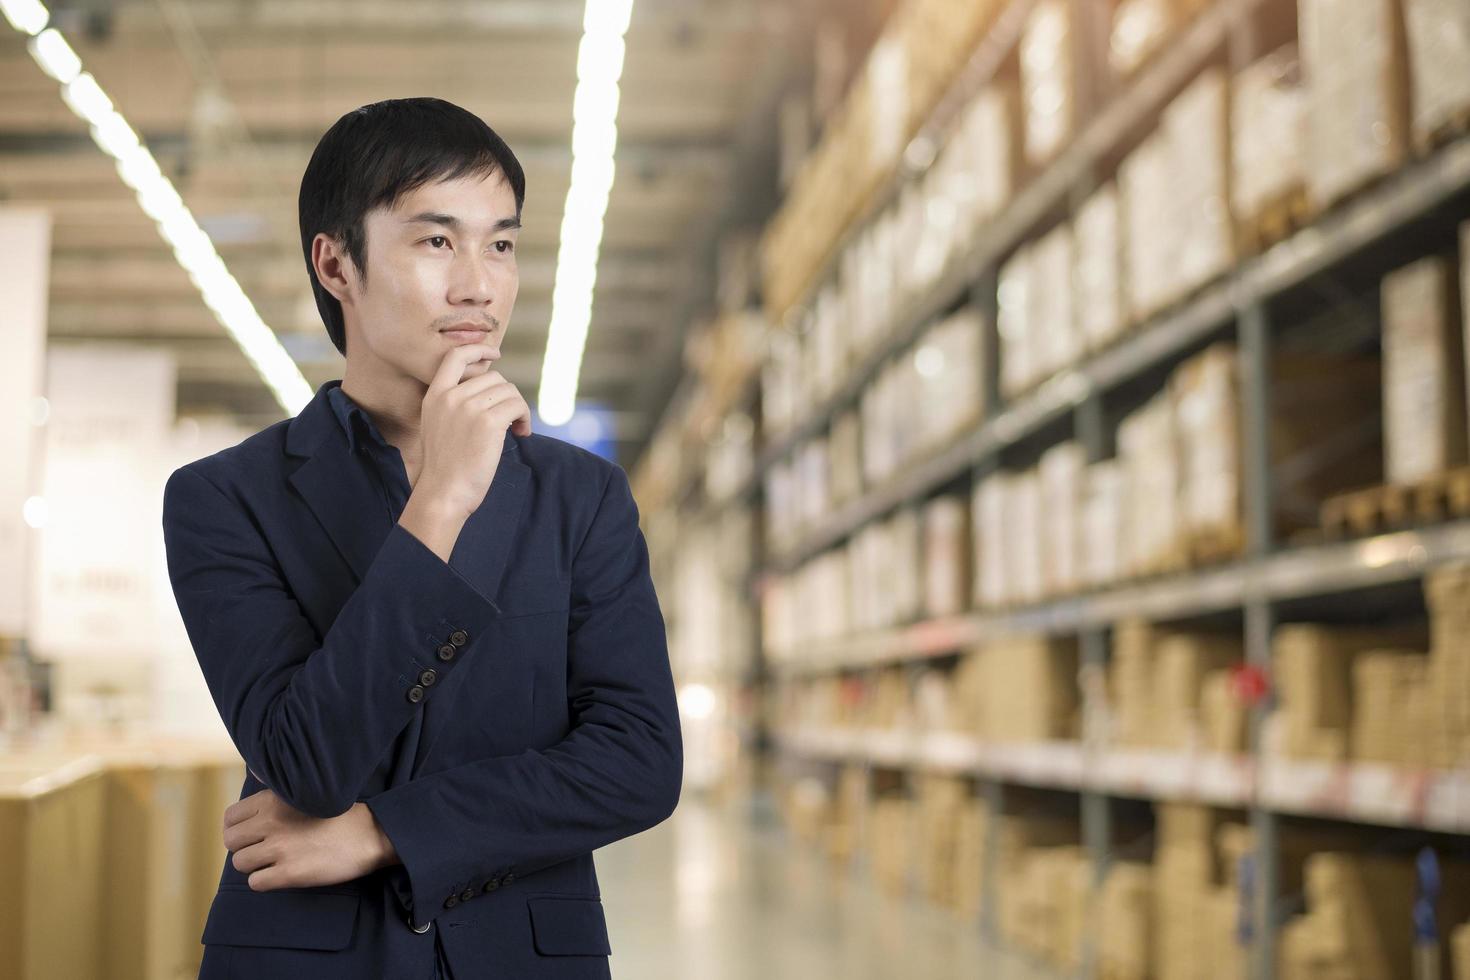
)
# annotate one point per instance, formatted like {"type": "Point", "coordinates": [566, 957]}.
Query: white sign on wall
{"type": "Point", "coordinates": [111, 416]}
{"type": "Point", "coordinates": [25, 252]}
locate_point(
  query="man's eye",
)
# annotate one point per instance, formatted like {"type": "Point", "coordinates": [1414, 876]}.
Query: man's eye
{"type": "Point", "coordinates": [436, 238]}
{"type": "Point", "coordinates": [509, 246]}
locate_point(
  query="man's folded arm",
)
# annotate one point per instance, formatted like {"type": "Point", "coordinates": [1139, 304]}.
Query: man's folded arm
{"type": "Point", "coordinates": [617, 772]}
{"type": "Point", "coordinates": [311, 717]}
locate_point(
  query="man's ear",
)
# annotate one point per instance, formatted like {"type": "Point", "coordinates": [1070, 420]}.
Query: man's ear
{"type": "Point", "coordinates": [332, 264]}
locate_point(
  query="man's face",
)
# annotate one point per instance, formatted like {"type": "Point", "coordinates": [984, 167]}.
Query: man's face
{"type": "Point", "coordinates": [444, 255]}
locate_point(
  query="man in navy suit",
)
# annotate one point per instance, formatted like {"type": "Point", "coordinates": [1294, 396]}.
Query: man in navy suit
{"type": "Point", "coordinates": [431, 634]}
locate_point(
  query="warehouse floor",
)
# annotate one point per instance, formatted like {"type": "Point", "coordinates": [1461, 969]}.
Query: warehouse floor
{"type": "Point", "coordinates": [722, 893]}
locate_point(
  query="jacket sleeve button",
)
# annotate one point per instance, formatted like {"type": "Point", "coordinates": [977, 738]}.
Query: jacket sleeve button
{"type": "Point", "coordinates": [416, 694]}
{"type": "Point", "coordinates": [446, 652]}
{"type": "Point", "coordinates": [428, 677]}
{"type": "Point", "coordinates": [451, 901]}
{"type": "Point", "coordinates": [459, 638]}
{"type": "Point", "coordinates": [467, 894]}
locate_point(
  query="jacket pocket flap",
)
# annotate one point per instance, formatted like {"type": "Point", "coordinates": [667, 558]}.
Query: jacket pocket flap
{"type": "Point", "coordinates": [569, 926]}
{"type": "Point", "coordinates": [285, 919]}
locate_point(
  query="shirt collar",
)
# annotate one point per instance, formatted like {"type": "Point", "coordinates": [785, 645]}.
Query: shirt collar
{"type": "Point", "coordinates": [353, 419]}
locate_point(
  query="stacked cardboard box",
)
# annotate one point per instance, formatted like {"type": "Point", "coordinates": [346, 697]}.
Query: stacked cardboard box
{"type": "Point", "coordinates": [969, 851]}
{"type": "Point", "coordinates": [1052, 907]}
{"type": "Point", "coordinates": [1439, 48]}
{"type": "Point", "coordinates": [1131, 681]}
{"type": "Point", "coordinates": [1029, 689]}
{"type": "Point", "coordinates": [1354, 61]}
{"type": "Point", "coordinates": [1313, 676]}
{"type": "Point", "coordinates": [1185, 660]}
{"type": "Point", "coordinates": [948, 365]}
{"type": "Point", "coordinates": [1207, 418]}
{"type": "Point", "coordinates": [1148, 448]}
{"type": "Point", "coordinates": [1025, 913]}
{"type": "Point", "coordinates": [1139, 28]}
{"type": "Point", "coordinates": [1098, 275]}
{"type": "Point", "coordinates": [1125, 912]}
{"type": "Point", "coordinates": [1184, 876]}
{"type": "Point", "coordinates": [1223, 714]}
{"type": "Point", "coordinates": [1423, 371]}
{"type": "Point", "coordinates": [843, 833]}
{"type": "Point", "coordinates": [946, 587]}
{"type": "Point", "coordinates": [941, 812]}
{"type": "Point", "coordinates": [1447, 592]}
{"type": "Point", "coordinates": [891, 818]}
{"type": "Point", "coordinates": [1268, 118]}
{"type": "Point", "coordinates": [1062, 470]}
{"type": "Point", "coordinates": [1047, 83]}
{"type": "Point", "coordinates": [1359, 921]}
{"type": "Point", "coordinates": [1391, 717]}
{"type": "Point", "coordinates": [1104, 508]}
{"type": "Point", "coordinates": [1176, 193]}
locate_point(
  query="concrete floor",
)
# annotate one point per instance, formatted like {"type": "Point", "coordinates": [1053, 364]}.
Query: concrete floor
{"type": "Point", "coordinates": [721, 893]}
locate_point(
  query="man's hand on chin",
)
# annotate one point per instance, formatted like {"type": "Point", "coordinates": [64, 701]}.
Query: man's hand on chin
{"type": "Point", "coordinates": [278, 846]}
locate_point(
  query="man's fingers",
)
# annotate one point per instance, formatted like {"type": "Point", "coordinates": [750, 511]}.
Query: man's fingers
{"type": "Point", "coordinates": [242, 835]}
{"type": "Point", "coordinates": [251, 858]}
{"type": "Point", "coordinates": [451, 369]}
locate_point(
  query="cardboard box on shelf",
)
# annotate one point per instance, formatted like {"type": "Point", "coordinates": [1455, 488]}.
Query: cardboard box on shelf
{"type": "Point", "coordinates": [1015, 324]}
{"type": "Point", "coordinates": [1148, 449]}
{"type": "Point", "coordinates": [1098, 273]}
{"type": "Point", "coordinates": [1047, 79]}
{"type": "Point", "coordinates": [1184, 661]}
{"type": "Point", "coordinates": [1197, 122]}
{"type": "Point", "coordinates": [1050, 312]}
{"type": "Point", "coordinates": [891, 818]}
{"type": "Point", "coordinates": [1062, 470]}
{"type": "Point", "coordinates": [1353, 59]}
{"type": "Point", "coordinates": [1313, 668]}
{"type": "Point", "coordinates": [1224, 715]}
{"type": "Point", "coordinates": [1206, 409]}
{"type": "Point", "coordinates": [1447, 594]}
{"type": "Point", "coordinates": [1423, 372]}
{"type": "Point", "coordinates": [1268, 123]}
{"type": "Point", "coordinates": [1104, 507]}
{"type": "Point", "coordinates": [1390, 711]}
{"type": "Point", "coordinates": [1125, 912]}
{"type": "Point", "coordinates": [1438, 33]}
{"type": "Point", "coordinates": [946, 590]}
{"type": "Point", "coordinates": [1030, 690]}
{"type": "Point", "coordinates": [1139, 28]}
{"type": "Point", "coordinates": [1460, 951]}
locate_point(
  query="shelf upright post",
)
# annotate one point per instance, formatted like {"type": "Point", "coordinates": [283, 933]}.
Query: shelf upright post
{"type": "Point", "coordinates": [1253, 328]}
{"type": "Point", "coordinates": [1090, 430]}
{"type": "Point", "coordinates": [985, 301]}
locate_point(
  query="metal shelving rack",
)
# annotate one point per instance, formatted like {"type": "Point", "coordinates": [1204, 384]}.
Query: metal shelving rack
{"type": "Point", "coordinates": [1236, 307]}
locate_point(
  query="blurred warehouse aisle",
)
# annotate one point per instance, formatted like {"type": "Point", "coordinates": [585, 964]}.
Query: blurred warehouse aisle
{"type": "Point", "coordinates": [721, 892]}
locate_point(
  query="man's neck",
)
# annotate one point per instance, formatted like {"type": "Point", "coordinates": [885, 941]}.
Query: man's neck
{"type": "Point", "coordinates": [394, 406]}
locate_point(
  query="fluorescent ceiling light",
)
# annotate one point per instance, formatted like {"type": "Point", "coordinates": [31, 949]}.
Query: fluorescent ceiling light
{"type": "Point", "coordinates": [161, 201]}
{"type": "Point", "coordinates": [594, 140]}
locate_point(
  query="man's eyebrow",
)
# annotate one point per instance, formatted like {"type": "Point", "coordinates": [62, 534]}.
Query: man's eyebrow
{"type": "Point", "coordinates": [453, 223]}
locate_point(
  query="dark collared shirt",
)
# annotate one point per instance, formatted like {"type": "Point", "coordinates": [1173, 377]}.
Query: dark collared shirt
{"type": "Point", "coordinates": [386, 462]}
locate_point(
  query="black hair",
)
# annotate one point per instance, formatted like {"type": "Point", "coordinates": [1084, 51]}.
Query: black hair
{"type": "Point", "coordinates": [374, 155]}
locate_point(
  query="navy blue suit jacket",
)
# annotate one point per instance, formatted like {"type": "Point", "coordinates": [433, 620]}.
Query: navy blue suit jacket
{"type": "Point", "coordinates": [531, 671]}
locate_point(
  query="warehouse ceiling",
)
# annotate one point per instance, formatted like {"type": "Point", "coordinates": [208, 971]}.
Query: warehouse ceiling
{"type": "Point", "coordinates": [231, 97]}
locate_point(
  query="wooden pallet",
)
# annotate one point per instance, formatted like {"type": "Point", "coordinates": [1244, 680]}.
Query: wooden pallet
{"type": "Point", "coordinates": [1392, 506]}
{"type": "Point", "coordinates": [1277, 220]}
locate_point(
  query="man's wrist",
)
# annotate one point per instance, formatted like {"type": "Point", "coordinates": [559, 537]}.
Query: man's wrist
{"type": "Point", "coordinates": [383, 852]}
